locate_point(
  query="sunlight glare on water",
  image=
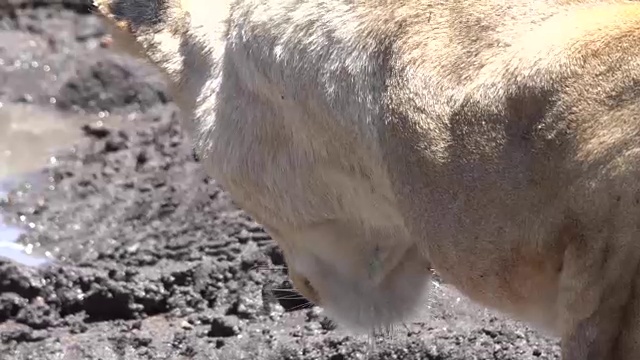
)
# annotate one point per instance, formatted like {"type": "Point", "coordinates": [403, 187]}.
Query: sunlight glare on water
{"type": "Point", "coordinates": [10, 248]}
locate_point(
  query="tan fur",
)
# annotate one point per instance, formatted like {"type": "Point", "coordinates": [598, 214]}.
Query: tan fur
{"type": "Point", "coordinates": [497, 141]}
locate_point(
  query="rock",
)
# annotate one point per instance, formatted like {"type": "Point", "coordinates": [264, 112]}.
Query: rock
{"type": "Point", "coordinates": [226, 326]}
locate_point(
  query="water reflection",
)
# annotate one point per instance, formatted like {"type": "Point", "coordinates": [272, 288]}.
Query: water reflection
{"type": "Point", "coordinates": [30, 135]}
{"type": "Point", "coordinates": [9, 236]}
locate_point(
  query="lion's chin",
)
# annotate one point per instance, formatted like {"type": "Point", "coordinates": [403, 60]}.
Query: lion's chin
{"type": "Point", "coordinates": [362, 305]}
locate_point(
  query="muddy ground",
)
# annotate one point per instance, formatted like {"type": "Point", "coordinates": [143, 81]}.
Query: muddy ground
{"type": "Point", "coordinates": [149, 258]}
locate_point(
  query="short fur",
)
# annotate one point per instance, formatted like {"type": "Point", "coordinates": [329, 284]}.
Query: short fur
{"type": "Point", "coordinates": [497, 141]}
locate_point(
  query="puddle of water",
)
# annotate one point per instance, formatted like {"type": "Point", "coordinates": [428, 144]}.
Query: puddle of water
{"type": "Point", "coordinates": [10, 249]}
{"type": "Point", "coordinates": [29, 138]}
{"type": "Point", "coordinates": [9, 236]}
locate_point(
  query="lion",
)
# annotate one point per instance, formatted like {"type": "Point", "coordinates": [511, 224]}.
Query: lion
{"type": "Point", "coordinates": [494, 141]}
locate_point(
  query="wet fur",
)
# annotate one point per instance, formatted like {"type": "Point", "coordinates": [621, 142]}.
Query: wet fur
{"type": "Point", "coordinates": [495, 141]}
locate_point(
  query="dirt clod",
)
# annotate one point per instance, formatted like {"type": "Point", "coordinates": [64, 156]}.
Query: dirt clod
{"type": "Point", "coordinates": [226, 326]}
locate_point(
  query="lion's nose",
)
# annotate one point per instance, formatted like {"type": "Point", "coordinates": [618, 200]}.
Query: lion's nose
{"type": "Point", "coordinates": [304, 287]}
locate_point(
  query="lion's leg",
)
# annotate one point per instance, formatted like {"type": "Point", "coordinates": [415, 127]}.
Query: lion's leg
{"type": "Point", "coordinates": [628, 344]}
{"type": "Point", "coordinates": [598, 294]}
{"type": "Point", "coordinates": [611, 333]}
{"type": "Point", "coordinates": [592, 338]}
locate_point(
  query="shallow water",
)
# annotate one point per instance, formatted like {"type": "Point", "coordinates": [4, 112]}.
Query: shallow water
{"type": "Point", "coordinates": [9, 246]}
{"type": "Point", "coordinates": [30, 136]}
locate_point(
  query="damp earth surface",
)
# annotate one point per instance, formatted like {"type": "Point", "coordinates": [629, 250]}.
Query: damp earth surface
{"type": "Point", "coordinates": [115, 245]}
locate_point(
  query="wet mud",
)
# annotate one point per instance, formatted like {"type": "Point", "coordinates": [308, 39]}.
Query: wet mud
{"type": "Point", "coordinates": [143, 255]}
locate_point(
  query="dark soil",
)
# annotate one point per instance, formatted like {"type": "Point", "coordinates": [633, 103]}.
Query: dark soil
{"type": "Point", "coordinates": [153, 259]}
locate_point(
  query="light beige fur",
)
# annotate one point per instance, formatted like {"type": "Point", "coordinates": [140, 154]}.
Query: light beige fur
{"type": "Point", "coordinates": [497, 141]}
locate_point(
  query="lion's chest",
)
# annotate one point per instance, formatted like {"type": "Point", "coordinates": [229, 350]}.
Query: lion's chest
{"type": "Point", "coordinates": [495, 241]}
{"type": "Point", "coordinates": [521, 283]}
